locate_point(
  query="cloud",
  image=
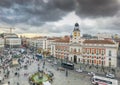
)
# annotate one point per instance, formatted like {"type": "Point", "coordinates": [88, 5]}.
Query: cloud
{"type": "Point", "coordinates": [32, 12]}
{"type": "Point", "coordinates": [5, 3]}
{"type": "Point", "coordinates": [33, 15]}
{"type": "Point", "coordinates": [97, 8]}
{"type": "Point", "coordinates": [66, 5]}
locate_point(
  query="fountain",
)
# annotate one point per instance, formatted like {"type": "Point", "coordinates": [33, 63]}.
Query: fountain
{"type": "Point", "coordinates": [39, 77]}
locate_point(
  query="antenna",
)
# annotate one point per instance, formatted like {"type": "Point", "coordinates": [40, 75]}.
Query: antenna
{"type": "Point", "coordinates": [11, 29]}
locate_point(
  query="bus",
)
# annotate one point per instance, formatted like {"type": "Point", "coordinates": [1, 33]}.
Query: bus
{"type": "Point", "coordinates": [98, 80]}
{"type": "Point", "coordinates": [67, 65]}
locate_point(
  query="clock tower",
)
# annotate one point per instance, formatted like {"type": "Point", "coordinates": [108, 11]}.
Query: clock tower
{"type": "Point", "coordinates": [75, 34]}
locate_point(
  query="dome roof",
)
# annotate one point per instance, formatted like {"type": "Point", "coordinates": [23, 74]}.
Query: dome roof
{"type": "Point", "coordinates": [76, 24]}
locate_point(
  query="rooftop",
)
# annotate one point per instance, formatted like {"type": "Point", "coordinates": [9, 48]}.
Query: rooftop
{"type": "Point", "coordinates": [98, 42]}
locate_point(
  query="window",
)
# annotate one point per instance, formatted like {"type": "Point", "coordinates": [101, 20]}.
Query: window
{"type": "Point", "coordinates": [75, 50]}
{"type": "Point", "coordinates": [92, 61]}
{"type": "Point", "coordinates": [103, 52]}
{"type": "Point", "coordinates": [88, 51]}
{"type": "Point", "coordinates": [71, 58]}
{"type": "Point", "coordinates": [92, 51]}
{"type": "Point", "coordinates": [110, 53]}
{"type": "Point", "coordinates": [97, 52]}
{"type": "Point", "coordinates": [79, 59]}
{"type": "Point", "coordinates": [71, 49]}
{"type": "Point", "coordinates": [109, 59]}
{"type": "Point", "coordinates": [84, 50]}
{"type": "Point", "coordinates": [99, 61]}
{"type": "Point", "coordinates": [79, 50]}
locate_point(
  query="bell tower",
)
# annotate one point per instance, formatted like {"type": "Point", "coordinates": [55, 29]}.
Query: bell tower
{"type": "Point", "coordinates": [75, 34]}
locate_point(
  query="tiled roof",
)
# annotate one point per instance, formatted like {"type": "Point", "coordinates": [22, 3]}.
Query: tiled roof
{"type": "Point", "coordinates": [62, 40]}
{"type": "Point", "coordinates": [50, 39]}
{"type": "Point", "coordinates": [98, 42]}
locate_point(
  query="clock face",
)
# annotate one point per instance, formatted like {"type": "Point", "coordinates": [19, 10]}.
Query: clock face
{"type": "Point", "coordinates": [75, 33]}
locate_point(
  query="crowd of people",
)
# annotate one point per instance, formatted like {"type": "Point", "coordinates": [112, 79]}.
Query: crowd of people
{"type": "Point", "coordinates": [7, 68]}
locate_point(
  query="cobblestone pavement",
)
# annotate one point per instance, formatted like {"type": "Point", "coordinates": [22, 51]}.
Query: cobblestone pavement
{"type": "Point", "coordinates": [60, 77]}
{"type": "Point", "coordinates": [73, 78]}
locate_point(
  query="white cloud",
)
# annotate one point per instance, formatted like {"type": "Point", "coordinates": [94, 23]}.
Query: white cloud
{"type": "Point", "coordinates": [69, 19]}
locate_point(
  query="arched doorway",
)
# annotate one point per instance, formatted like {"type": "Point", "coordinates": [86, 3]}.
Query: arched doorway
{"type": "Point", "coordinates": [75, 59]}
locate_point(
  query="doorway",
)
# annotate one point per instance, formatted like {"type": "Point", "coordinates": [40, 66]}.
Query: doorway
{"type": "Point", "coordinates": [75, 59]}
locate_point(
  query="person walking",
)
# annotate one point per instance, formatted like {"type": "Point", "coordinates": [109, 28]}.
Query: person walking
{"type": "Point", "coordinates": [8, 82]}
{"type": "Point", "coordinates": [18, 83]}
{"type": "Point", "coordinates": [66, 73]}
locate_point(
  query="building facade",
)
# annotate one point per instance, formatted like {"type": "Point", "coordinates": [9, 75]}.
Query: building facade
{"type": "Point", "coordinates": [1, 43]}
{"type": "Point", "coordinates": [93, 52]}
{"type": "Point", "coordinates": [75, 46]}
{"type": "Point", "coordinates": [100, 52]}
{"type": "Point", "coordinates": [40, 43]}
{"type": "Point", "coordinates": [11, 40]}
{"type": "Point", "coordinates": [60, 48]}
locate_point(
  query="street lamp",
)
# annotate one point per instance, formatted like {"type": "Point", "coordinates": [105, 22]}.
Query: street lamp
{"type": "Point", "coordinates": [66, 60]}
{"type": "Point", "coordinates": [36, 47]}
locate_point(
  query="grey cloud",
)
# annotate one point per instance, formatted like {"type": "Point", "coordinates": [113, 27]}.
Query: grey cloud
{"type": "Point", "coordinates": [36, 12]}
{"type": "Point", "coordinates": [33, 12]}
{"type": "Point", "coordinates": [97, 8]}
{"type": "Point", "coordinates": [61, 29]}
{"type": "Point", "coordinates": [66, 5]}
{"type": "Point", "coordinates": [6, 3]}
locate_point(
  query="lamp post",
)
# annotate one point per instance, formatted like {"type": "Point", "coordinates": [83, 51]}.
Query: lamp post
{"type": "Point", "coordinates": [36, 47]}
{"type": "Point", "coordinates": [66, 60]}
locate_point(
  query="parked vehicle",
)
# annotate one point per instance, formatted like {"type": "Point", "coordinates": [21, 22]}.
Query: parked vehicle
{"type": "Point", "coordinates": [61, 69]}
{"type": "Point", "coordinates": [110, 75]}
{"type": "Point", "coordinates": [99, 80]}
{"type": "Point", "coordinates": [55, 62]}
{"type": "Point", "coordinates": [49, 60]}
{"type": "Point", "coordinates": [79, 70]}
{"type": "Point", "coordinates": [91, 73]}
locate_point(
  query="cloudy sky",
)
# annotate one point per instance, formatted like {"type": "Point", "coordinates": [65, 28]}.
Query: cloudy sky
{"type": "Point", "coordinates": [57, 17]}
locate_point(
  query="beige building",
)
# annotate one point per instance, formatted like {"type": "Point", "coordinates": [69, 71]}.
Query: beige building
{"type": "Point", "coordinates": [11, 40]}
{"type": "Point", "coordinates": [60, 48]}
{"type": "Point", "coordinates": [1, 43]}
{"type": "Point", "coordinates": [93, 52]}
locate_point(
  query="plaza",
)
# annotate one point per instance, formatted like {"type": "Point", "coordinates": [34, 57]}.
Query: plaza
{"type": "Point", "coordinates": [30, 64]}
{"type": "Point", "coordinates": [60, 77]}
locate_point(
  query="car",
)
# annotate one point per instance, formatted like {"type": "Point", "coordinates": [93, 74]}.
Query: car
{"type": "Point", "coordinates": [79, 70]}
{"type": "Point", "coordinates": [55, 62]}
{"type": "Point", "coordinates": [91, 73]}
{"type": "Point", "coordinates": [110, 75]}
{"type": "Point", "coordinates": [61, 68]}
{"type": "Point", "coordinates": [49, 60]}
